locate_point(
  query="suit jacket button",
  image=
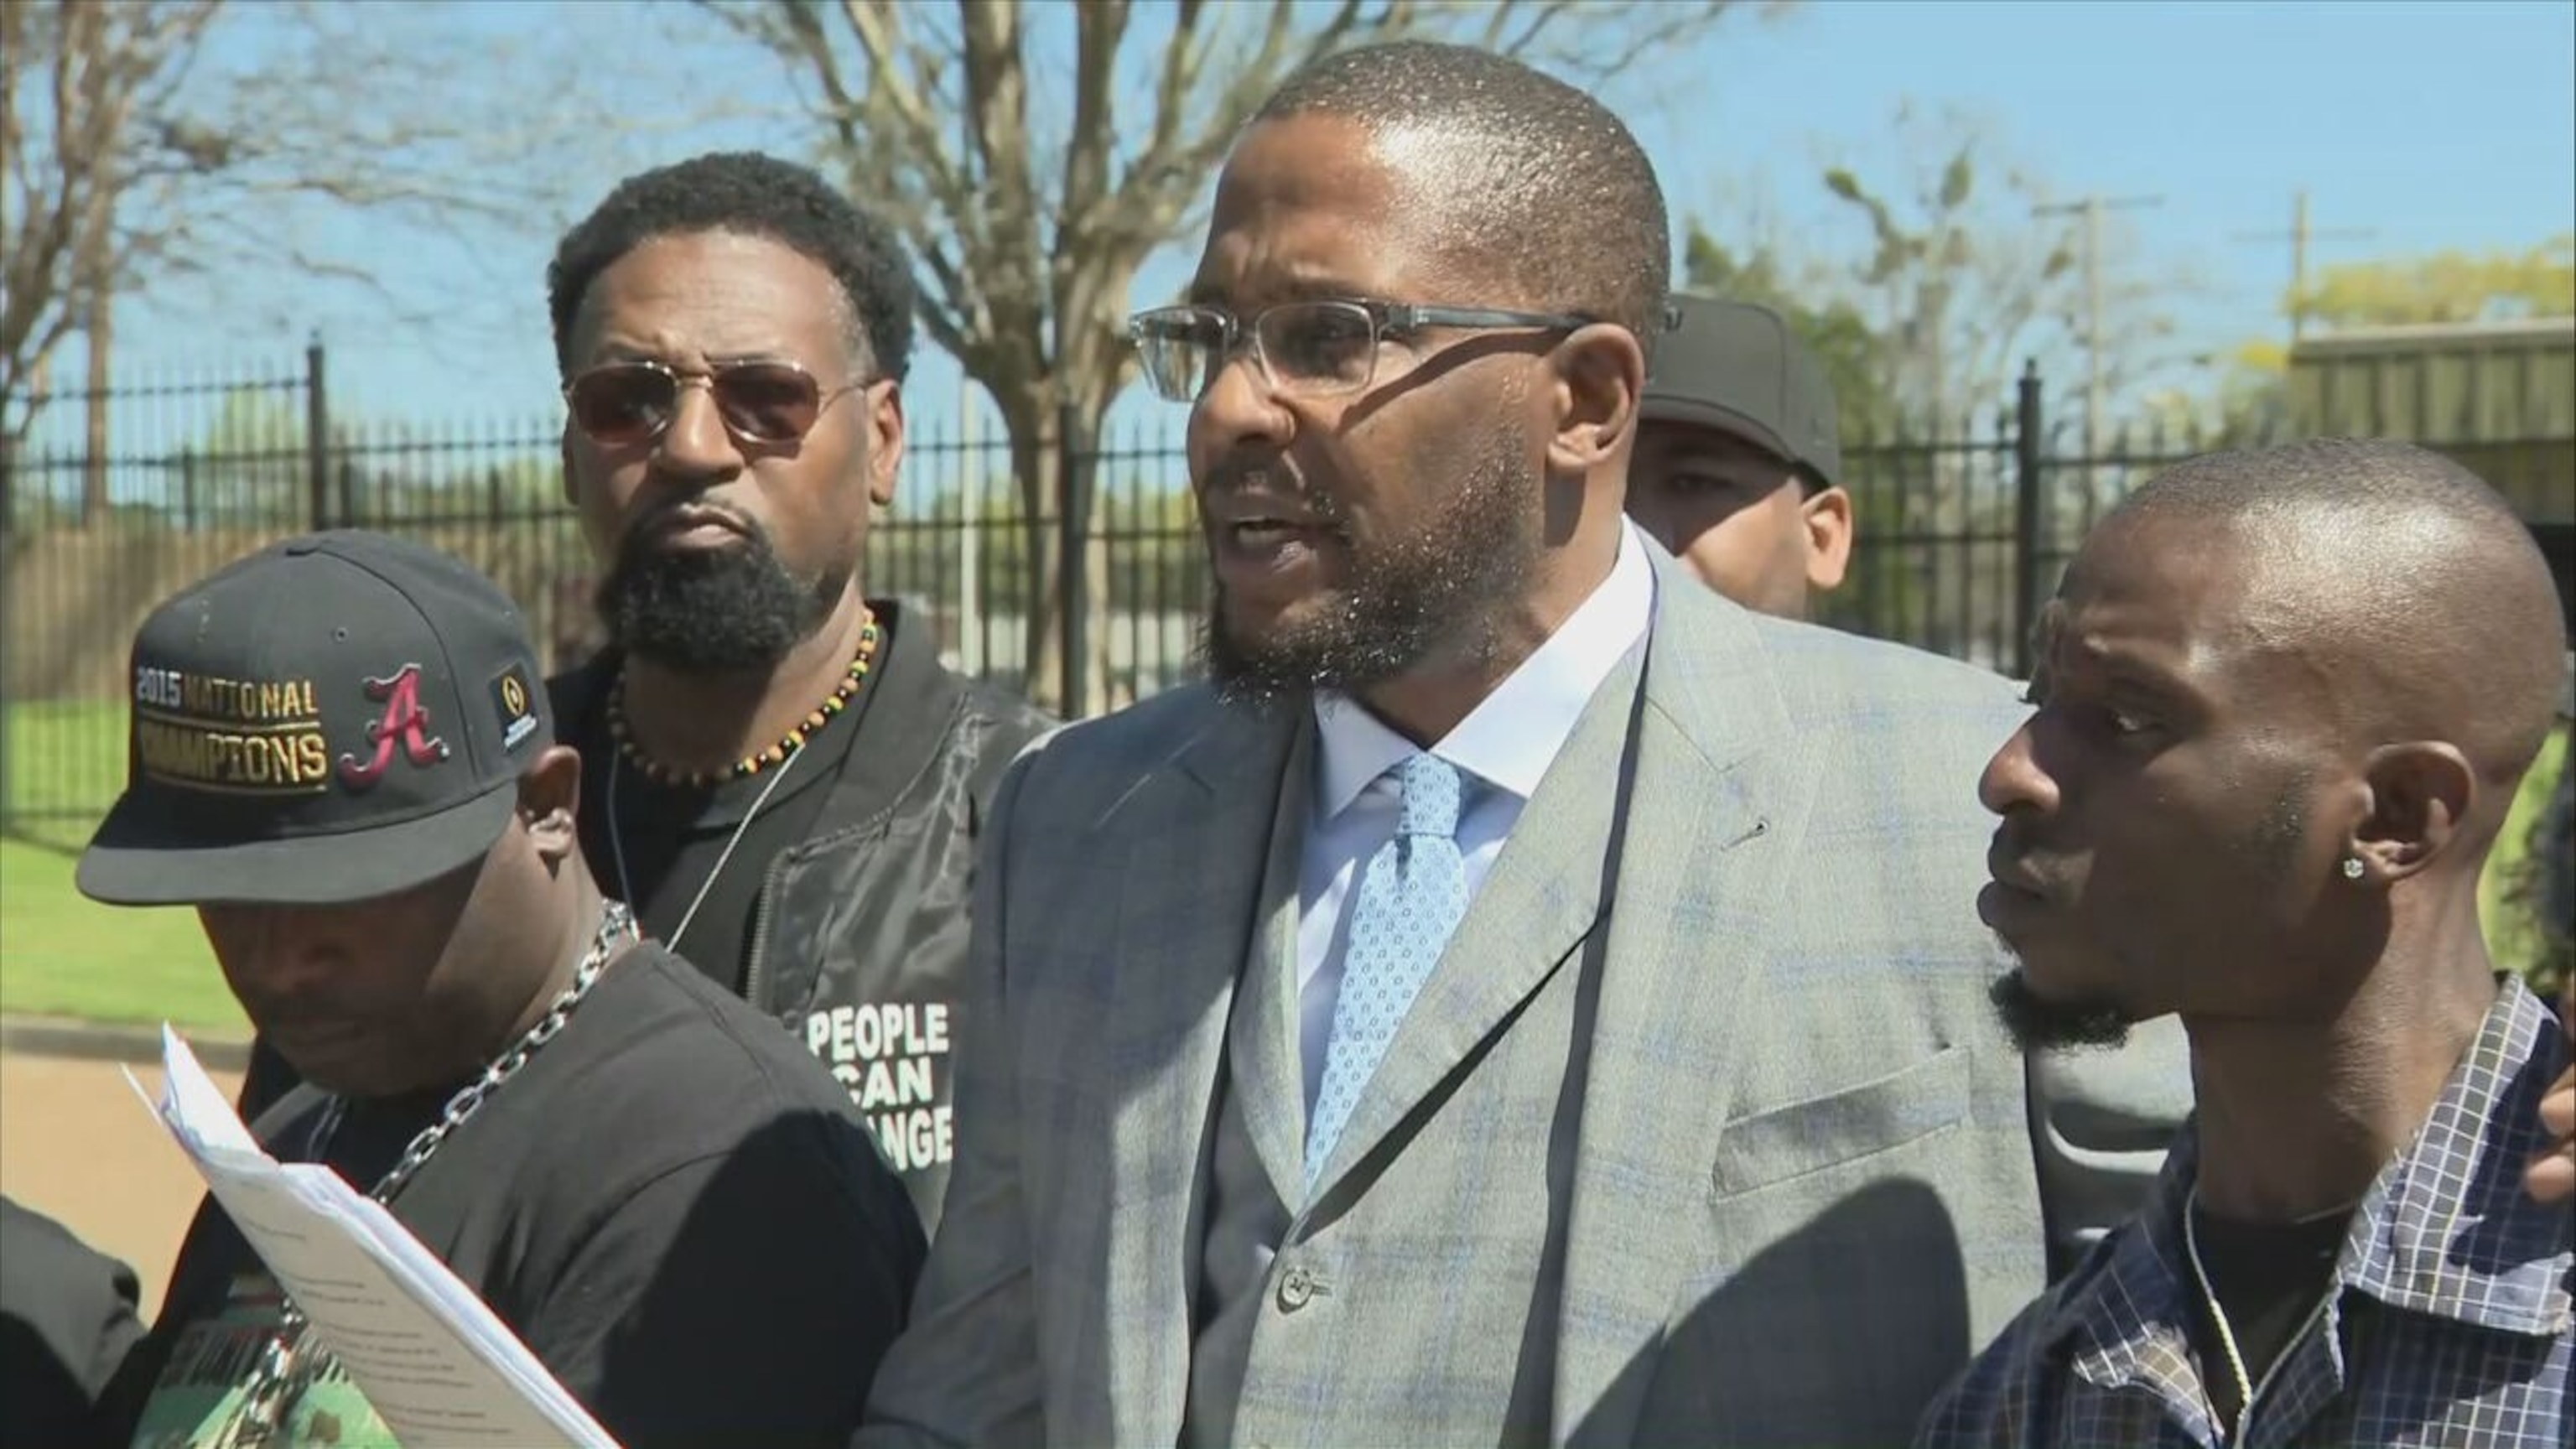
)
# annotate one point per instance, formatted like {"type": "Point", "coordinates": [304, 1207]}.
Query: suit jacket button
{"type": "Point", "coordinates": [1296, 1289]}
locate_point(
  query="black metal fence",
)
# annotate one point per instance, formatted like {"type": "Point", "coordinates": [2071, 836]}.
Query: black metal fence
{"type": "Point", "coordinates": [1961, 529]}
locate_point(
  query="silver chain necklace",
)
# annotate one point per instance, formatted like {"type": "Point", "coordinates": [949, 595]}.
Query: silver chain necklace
{"type": "Point", "coordinates": [617, 841]}
{"type": "Point", "coordinates": [2248, 1388]}
{"type": "Point", "coordinates": [284, 1370]}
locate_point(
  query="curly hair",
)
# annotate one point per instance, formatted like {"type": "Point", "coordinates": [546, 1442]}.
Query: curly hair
{"type": "Point", "coordinates": [747, 194]}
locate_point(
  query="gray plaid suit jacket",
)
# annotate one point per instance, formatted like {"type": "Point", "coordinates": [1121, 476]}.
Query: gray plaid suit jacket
{"type": "Point", "coordinates": [1777, 1148]}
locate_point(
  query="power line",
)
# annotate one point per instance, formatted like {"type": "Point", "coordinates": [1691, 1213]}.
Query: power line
{"type": "Point", "coordinates": [2091, 209]}
{"type": "Point", "coordinates": [2299, 236]}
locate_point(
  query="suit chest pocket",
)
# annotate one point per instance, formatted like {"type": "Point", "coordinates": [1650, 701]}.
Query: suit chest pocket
{"type": "Point", "coordinates": [1844, 1127]}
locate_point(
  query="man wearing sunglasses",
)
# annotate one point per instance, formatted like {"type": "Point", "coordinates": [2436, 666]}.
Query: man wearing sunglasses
{"type": "Point", "coordinates": [1523, 997]}
{"type": "Point", "coordinates": [779, 775]}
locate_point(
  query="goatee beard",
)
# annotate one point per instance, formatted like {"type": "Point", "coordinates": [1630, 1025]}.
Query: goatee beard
{"type": "Point", "coordinates": [1439, 594]}
{"type": "Point", "coordinates": [2038, 1023]}
{"type": "Point", "coordinates": [710, 611]}
{"type": "Point", "coordinates": [1364, 642]}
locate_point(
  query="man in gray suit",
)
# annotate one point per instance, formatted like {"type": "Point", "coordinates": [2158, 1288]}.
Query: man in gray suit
{"type": "Point", "coordinates": [1525, 998]}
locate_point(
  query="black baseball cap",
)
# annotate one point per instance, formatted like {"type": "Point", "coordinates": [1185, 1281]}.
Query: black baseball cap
{"type": "Point", "coordinates": [1740, 369]}
{"type": "Point", "coordinates": [336, 717]}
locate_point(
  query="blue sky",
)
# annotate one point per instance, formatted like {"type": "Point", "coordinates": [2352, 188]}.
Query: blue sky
{"type": "Point", "coordinates": [2433, 125]}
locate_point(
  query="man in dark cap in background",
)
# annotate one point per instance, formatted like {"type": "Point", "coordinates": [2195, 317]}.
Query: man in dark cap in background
{"type": "Point", "coordinates": [1739, 469]}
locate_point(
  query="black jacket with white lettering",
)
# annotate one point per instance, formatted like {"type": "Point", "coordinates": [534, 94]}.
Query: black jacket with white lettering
{"type": "Point", "coordinates": [859, 935]}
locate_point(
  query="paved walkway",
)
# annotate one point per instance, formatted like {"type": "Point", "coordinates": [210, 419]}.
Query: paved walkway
{"type": "Point", "coordinates": [78, 1146]}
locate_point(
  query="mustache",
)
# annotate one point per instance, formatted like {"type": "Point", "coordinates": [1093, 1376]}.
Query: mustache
{"type": "Point", "coordinates": [2013, 859]}
{"type": "Point", "coordinates": [651, 519]}
{"type": "Point", "coordinates": [1270, 475]}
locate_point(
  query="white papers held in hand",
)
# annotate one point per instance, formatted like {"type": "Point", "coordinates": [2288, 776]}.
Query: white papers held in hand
{"type": "Point", "coordinates": [432, 1358]}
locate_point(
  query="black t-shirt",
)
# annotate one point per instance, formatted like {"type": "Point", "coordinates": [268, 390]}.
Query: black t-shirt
{"type": "Point", "coordinates": [672, 1204]}
{"type": "Point", "coordinates": [2269, 1278]}
{"type": "Point", "coordinates": [674, 836]}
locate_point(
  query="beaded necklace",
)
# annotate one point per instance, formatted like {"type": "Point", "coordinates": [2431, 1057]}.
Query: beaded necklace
{"type": "Point", "coordinates": [749, 765]}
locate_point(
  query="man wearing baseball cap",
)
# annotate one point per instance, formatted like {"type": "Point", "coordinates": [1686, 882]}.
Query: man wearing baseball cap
{"type": "Point", "coordinates": [1738, 471]}
{"type": "Point", "coordinates": [341, 757]}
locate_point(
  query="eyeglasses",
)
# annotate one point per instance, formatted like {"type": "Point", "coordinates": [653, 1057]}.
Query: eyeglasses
{"type": "Point", "coordinates": [1304, 349]}
{"type": "Point", "coordinates": [628, 404]}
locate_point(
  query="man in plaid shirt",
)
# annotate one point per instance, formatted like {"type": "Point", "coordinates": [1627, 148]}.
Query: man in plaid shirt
{"type": "Point", "coordinates": [2284, 699]}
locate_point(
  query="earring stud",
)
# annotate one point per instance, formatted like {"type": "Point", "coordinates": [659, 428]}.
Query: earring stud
{"type": "Point", "coordinates": [2352, 867]}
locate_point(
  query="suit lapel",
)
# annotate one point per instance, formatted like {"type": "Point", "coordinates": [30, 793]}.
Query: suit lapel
{"type": "Point", "coordinates": [1265, 1069]}
{"type": "Point", "coordinates": [1188, 906]}
{"type": "Point", "coordinates": [1696, 877]}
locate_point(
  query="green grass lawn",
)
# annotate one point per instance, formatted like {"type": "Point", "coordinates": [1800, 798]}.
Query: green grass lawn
{"type": "Point", "coordinates": [60, 953]}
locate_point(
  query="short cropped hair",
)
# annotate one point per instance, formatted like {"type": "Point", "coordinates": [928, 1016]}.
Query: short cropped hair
{"type": "Point", "coordinates": [1543, 181]}
{"type": "Point", "coordinates": [2421, 575]}
{"type": "Point", "coordinates": [2365, 480]}
{"type": "Point", "coordinates": [748, 194]}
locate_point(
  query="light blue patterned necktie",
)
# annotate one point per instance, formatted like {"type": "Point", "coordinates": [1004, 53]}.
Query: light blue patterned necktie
{"type": "Point", "coordinates": [1412, 894]}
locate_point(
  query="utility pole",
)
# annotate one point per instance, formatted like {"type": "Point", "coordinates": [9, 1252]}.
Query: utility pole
{"type": "Point", "coordinates": [2298, 236]}
{"type": "Point", "coordinates": [2091, 209]}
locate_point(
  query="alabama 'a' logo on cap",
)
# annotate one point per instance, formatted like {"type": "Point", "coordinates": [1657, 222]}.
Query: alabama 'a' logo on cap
{"type": "Point", "coordinates": [404, 725]}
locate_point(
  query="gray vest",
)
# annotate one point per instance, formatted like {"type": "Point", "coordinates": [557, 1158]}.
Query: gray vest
{"type": "Point", "coordinates": [1246, 1221]}
{"type": "Point", "coordinates": [1240, 1274]}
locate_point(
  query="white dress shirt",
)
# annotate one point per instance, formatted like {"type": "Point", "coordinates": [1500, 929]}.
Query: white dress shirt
{"type": "Point", "coordinates": [1504, 747]}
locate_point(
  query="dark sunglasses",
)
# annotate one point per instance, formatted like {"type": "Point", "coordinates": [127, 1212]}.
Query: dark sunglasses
{"type": "Point", "coordinates": [628, 404]}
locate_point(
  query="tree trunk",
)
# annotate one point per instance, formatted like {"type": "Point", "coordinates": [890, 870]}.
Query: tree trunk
{"type": "Point", "coordinates": [94, 448]}
{"type": "Point", "coordinates": [1035, 471]}
{"type": "Point", "coordinates": [1082, 450]}
{"type": "Point", "coordinates": [1044, 439]}
{"type": "Point", "coordinates": [1107, 692]}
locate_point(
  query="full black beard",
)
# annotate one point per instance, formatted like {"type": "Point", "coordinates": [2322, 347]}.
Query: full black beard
{"type": "Point", "coordinates": [712, 611]}
{"type": "Point", "coordinates": [2037, 1023]}
{"type": "Point", "coordinates": [1439, 593]}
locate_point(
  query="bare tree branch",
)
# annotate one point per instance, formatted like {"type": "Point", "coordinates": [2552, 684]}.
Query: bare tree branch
{"type": "Point", "coordinates": [141, 153]}
{"type": "Point", "coordinates": [1962, 284]}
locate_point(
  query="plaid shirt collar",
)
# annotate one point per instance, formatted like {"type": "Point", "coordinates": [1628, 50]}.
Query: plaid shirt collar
{"type": "Point", "coordinates": [2445, 1229]}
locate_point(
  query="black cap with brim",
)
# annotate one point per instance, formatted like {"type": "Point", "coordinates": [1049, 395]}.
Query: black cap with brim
{"type": "Point", "coordinates": [1739, 368]}
{"type": "Point", "coordinates": [1698, 413]}
{"type": "Point", "coordinates": [135, 862]}
{"type": "Point", "coordinates": [335, 718]}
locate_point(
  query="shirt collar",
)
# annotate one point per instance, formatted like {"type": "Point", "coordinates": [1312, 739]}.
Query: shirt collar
{"type": "Point", "coordinates": [2445, 1229]}
{"type": "Point", "coordinates": [2449, 1229]}
{"type": "Point", "coordinates": [1510, 739]}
